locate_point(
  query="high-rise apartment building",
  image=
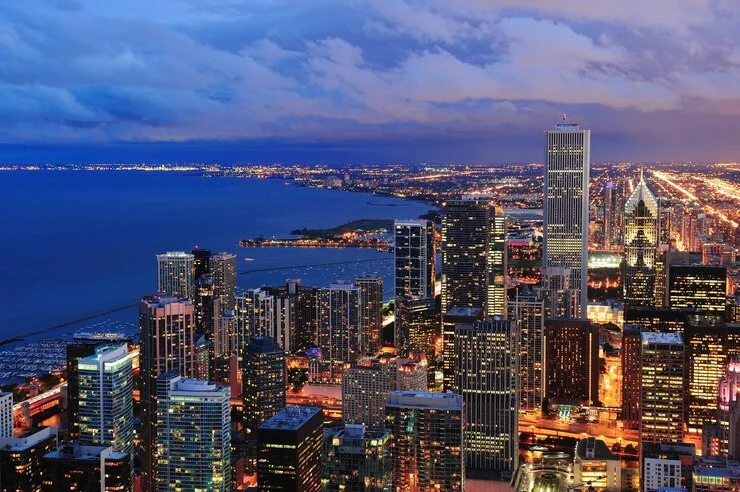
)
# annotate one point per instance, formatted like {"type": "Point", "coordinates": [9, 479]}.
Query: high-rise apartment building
{"type": "Point", "coordinates": [106, 399]}
{"type": "Point", "coordinates": [474, 255]}
{"type": "Point", "coordinates": [486, 378]}
{"type": "Point", "coordinates": [290, 450]}
{"type": "Point", "coordinates": [428, 450]}
{"type": "Point", "coordinates": [356, 459]}
{"type": "Point", "coordinates": [662, 395]}
{"type": "Point", "coordinates": [528, 311]}
{"type": "Point", "coordinates": [702, 287]}
{"type": "Point", "coordinates": [417, 326]}
{"type": "Point", "coordinates": [565, 207]}
{"type": "Point", "coordinates": [215, 288]}
{"type": "Point", "coordinates": [74, 352]}
{"type": "Point", "coordinates": [176, 274]}
{"type": "Point", "coordinates": [571, 359]}
{"type": "Point", "coordinates": [414, 258]}
{"type": "Point", "coordinates": [371, 293]}
{"type": "Point", "coordinates": [642, 235]}
{"type": "Point", "coordinates": [6, 414]}
{"type": "Point", "coordinates": [454, 318]}
{"type": "Point", "coordinates": [631, 375]}
{"type": "Point", "coordinates": [367, 383]}
{"type": "Point", "coordinates": [167, 337]}
{"type": "Point", "coordinates": [255, 315]}
{"type": "Point", "coordinates": [608, 214]}
{"type": "Point", "coordinates": [193, 435]}
{"type": "Point", "coordinates": [75, 467]}
{"type": "Point", "coordinates": [264, 381]}
{"type": "Point", "coordinates": [340, 330]}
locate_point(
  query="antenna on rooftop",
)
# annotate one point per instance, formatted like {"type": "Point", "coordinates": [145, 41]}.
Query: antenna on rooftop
{"type": "Point", "coordinates": [565, 117]}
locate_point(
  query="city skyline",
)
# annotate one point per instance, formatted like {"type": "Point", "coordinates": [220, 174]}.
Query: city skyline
{"type": "Point", "coordinates": [410, 81]}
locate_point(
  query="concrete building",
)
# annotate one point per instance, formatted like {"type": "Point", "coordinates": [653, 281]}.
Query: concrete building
{"type": "Point", "coordinates": [264, 380]}
{"type": "Point", "coordinates": [356, 459]}
{"type": "Point", "coordinates": [642, 235]}
{"type": "Point", "coordinates": [367, 384]}
{"type": "Point", "coordinates": [417, 326]}
{"type": "Point", "coordinates": [486, 378]}
{"type": "Point", "coordinates": [565, 207]}
{"type": "Point", "coordinates": [193, 435]}
{"type": "Point", "coordinates": [453, 318]}
{"type": "Point", "coordinates": [86, 468]}
{"type": "Point", "coordinates": [290, 450]}
{"type": "Point", "coordinates": [668, 464]}
{"type": "Point", "coordinates": [176, 274]}
{"type": "Point", "coordinates": [167, 335]}
{"type": "Point", "coordinates": [20, 459]}
{"type": "Point", "coordinates": [371, 293]}
{"type": "Point", "coordinates": [528, 311]}
{"type": "Point", "coordinates": [662, 390]}
{"type": "Point", "coordinates": [428, 449]}
{"type": "Point", "coordinates": [6, 415]}
{"type": "Point", "coordinates": [340, 330]}
{"type": "Point", "coordinates": [571, 360]}
{"type": "Point", "coordinates": [595, 464]}
{"type": "Point", "coordinates": [701, 287]}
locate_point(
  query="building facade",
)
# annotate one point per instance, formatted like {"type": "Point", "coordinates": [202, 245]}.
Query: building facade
{"type": "Point", "coordinates": [642, 234]}
{"type": "Point", "coordinates": [565, 207]}
{"type": "Point", "coordinates": [528, 311]}
{"type": "Point", "coordinates": [83, 468]}
{"type": "Point", "coordinates": [176, 274]}
{"type": "Point", "coordinates": [340, 330]}
{"type": "Point", "coordinates": [264, 381]}
{"type": "Point", "coordinates": [571, 360]}
{"type": "Point", "coordinates": [371, 293]}
{"type": "Point", "coordinates": [356, 459]}
{"type": "Point", "coordinates": [414, 258]}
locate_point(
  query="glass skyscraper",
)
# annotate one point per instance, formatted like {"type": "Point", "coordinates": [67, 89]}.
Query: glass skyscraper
{"type": "Point", "coordinates": [414, 258]}
{"type": "Point", "coordinates": [641, 216]}
{"type": "Point", "coordinates": [565, 211]}
{"type": "Point", "coordinates": [193, 435]}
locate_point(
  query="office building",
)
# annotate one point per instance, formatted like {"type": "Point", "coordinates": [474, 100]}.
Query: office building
{"type": "Point", "coordinates": [658, 318]}
{"type": "Point", "coordinates": [596, 465]}
{"type": "Point", "coordinates": [667, 466]}
{"type": "Point", "coordinates": [356, 459]}
{"type": "Point", "coordinates": [608, 211]}
{"type": "Point", "coordinates": [427, 449]}
{"type": "Point", "coordinates": [486, 378]}
{"type": "Point", "coordinates": [371, 293]}
{"type": "Point", "coordinates": [86, 468]}
{"type": "Point", "coordinates": [474, 255]}
{"type": "Point", "coordinates": [701, 287]}
{"type": "Point", "coordinates": [414, 257]}
{"type": "Point", "coordinates": [340, 330]}
{"type": "Point", "coordinates": [255, 315]}
{"type": "Point", "coordinates": [367, 383]}
{"type": "Point", "coordinates": [167, 337]}
{"type": "Point", "coordinates": [264, 381]}
{"type": "Point", "coordinates": [176, 274]}
{"type": "Point", "coordinates": [193, 435]}
{"type": "Point", "coordinates": [662, 395]}
{"type": "Point", "coordinates": [528, 311]}
{"type": "Point", "coordinates": [631, 375]}
{"type": "Point", "coordinates": [290, 450]}
{"type": "Point", "coordinates": [562, 301]}
{"type": "Point", "coordinates": [642, 234]}
{"type": "Point", "coordinates": [571, 360]}
{"type": "Point", "coordinates": [215, 288]}
{"type": "Point", "coordinates": [417, 326]}
{"type": "Point", "coordinates": [455, 317]}
{"type": "Point", "coordinates": [20, 459]}
{"type": "Point", "coordinates": [106, 404]}
{"type": "Point", "coordinates": [565, 207]}
{"type": "Point", "coordinates": [6, 414]}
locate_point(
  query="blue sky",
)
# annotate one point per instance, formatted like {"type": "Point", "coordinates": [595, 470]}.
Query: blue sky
{"type": "Point", "coordinates": [365, 80]}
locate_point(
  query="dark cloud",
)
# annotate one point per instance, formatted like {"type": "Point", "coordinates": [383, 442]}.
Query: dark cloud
{"type": "Point", "coordinates": [411, 79]}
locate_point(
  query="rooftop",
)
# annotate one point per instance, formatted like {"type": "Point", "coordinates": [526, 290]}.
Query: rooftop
{"type": "Point", "coordinates": [27, 440]}
{"type": "Point", "coordinates": [594, 449]}
{"type": "Point", "coordinates": [661, 337]}
{"type": "Point", "coordinates": [424, 399]}
{"type": "Point", "coordinates": [460, 311]}
{"type": "Point", "coordinates": [262, 345]}
{"type": "Point", "coordinates": [291, 418]}
{"type": "Point", "coordinates": [91, 453]}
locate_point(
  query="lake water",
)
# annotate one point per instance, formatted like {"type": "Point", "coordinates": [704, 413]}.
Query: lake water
{"type": "Point", "coordinates": [76, 243]}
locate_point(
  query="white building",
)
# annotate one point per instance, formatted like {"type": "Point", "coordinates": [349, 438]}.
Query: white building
{"type": "Point", "coordinates": [6, 414]}
{"type": "Point", "coordinates": [566, 205]}
{"type": "Point", "coordinates": [176, 274]}
{"type": "Point", "coordinates": [596, 465]}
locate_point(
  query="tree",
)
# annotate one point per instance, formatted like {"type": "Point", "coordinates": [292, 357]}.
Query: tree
{"type": "Point", "coordinates": [630, 449]}
{"type": "Point", "coordinates": [297, 377]}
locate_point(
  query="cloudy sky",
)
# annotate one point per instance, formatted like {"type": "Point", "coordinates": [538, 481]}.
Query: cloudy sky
{"type": "Point", "coordinates": [366, 80]}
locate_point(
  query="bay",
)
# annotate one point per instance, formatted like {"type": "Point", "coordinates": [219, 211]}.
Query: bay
{"type": "Point", "coordinates": [77, 243]}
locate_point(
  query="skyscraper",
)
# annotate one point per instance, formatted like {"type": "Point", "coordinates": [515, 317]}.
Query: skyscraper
{"type": "Point", "coordinates": [6, 415]}
{"type": "Point", "coordinates": [20, 459]}
{"type": "Point", "coordinates": [215, 288]}
{"type": "Point", "coordinates": [193, 435]}
{"type": "Point", "coordinates": [290, 450]}
{"type": "Point", "coordinates": [454, 318]}
{"type": "Point", "coordinates": [340, 330]}
{"type": "Point", "coordinates": [642, 233]}
{"type": "Point", "coordinates": [356, 459]}
{"type": "Point", "coordinates": [631, 375]}
{"type": "Point", "coordinates": [75, 467]}
{"type": "Point", "coordinates": [264, 381]}
{"type": "Point", "coordinates": [565, 206]}
{"type": "Point", "coordinates": [486, 377]}
{"type": "Point", "coordinates": [255, 315]}
{"type": "Point", "coordinates": [608, 214]}
{"type": "Point", "coordinates": [474, 255]}
{"type": "Point", "coordinates": [417, 326]}
{"type": "Point", "coordinates": [176, 274]}
{"type": "Point", "coordinates": [428, 449]}
{"type": "Point", "coordinates": [167, 335]}
{"type": "Point", "coordinates": [74, 352]}
{"type": "Point", "coordinates": [371, 293]}
{"type": "Point", "coordinates": [662, 388]}
{"type": "Point", "coordinates": [702, 287]}
{"type": "Point", "coordinates": [528, 310]}
{"type": "Point", "coordinates": [728, 410]}
{"type": "Point", "coordinates": [571, 359]}
{"type": "Point", "coordinates": [366, 385]}
{"type": "Point", "coordinates": [414, 258]}
{"type": "Point", "coordinates": [106, 390]}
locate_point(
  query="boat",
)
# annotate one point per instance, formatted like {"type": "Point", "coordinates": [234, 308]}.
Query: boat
{"type": "Point", "coordinates": [248, 259]}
